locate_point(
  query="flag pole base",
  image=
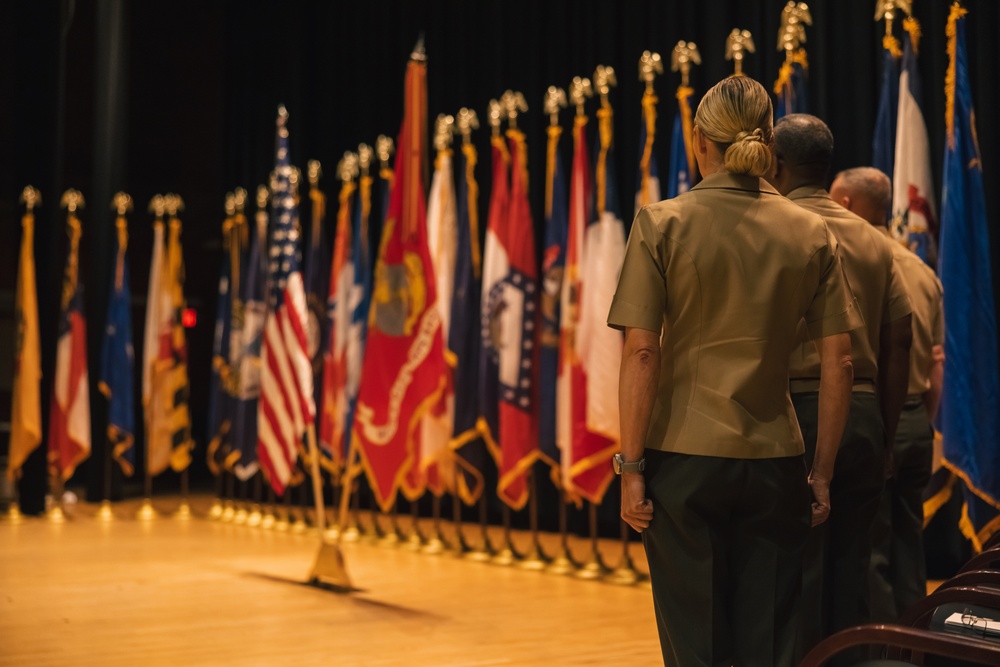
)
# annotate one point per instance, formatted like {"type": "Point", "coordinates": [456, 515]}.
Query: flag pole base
{"type": "Point", "coordinates": [299, 526]}
{"type": "Point", "coordinates": [241, 515]}
{"type": "Point", "coordinates": [183, 512]}
{"type": "Point", "coordinates": [56, 515]}
{"type": "Point", "coordinates": [228, 512]}
{"type": "Point", "coordinates": [105, 514]}
{"type": "Point", "coordinates": [14, 516]}
{"type": "Point", "coordinates": [215, 511]}
{"type": "Point", "coordinates": [329, 570]}
{"type": "Point", "coordinates": [625, 574]}
{"type": "Point", "coordinates": [434, 547]}
{"type": "Point", "coordinates": [534, 560]}
{"type": "Point", "coordinates": [281, 523]}
{"type": "Point", "coordinates": [146, 511]}
{"type": "Point", "coordinates": [505, 557]}
{"type": "Point", "coordinates": [562, 565]}
{"type": "Point", "coordinates": [593, 569]}
{"type": "Point", "coordinates": [255, 518]}
{"type": "Point", "coordinates": [267, 521]}
{"type": "Point", "coordinates": [351, 534]}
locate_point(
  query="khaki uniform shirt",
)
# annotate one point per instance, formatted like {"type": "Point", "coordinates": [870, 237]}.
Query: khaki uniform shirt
{"type": "Point", "coordinates": [924, 290]}
{"type": "Point", "coordinates": [726, 271]}
{"type": "Point", "coordinates": [875, 280]}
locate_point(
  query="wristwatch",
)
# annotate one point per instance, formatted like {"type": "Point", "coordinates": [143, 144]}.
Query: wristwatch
{"type": "Point", "coordinates": [620, 465]}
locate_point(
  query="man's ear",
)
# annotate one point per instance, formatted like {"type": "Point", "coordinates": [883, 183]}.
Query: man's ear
{"type": "Point", "coordinates": [845, 201]}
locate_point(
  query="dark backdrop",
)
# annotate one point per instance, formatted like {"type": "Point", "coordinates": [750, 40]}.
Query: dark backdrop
{"type": "Point", "coordinates": [180, 96]}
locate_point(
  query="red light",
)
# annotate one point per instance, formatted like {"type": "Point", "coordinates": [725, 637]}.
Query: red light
{"type": "Point", "coordinates": [189, 318]}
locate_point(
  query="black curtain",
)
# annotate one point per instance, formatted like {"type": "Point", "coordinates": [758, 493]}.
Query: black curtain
{"type": "Point", "coordinates": [202, 82]}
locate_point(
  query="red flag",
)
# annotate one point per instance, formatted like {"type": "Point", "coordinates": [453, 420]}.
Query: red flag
{"type": "Point", "coordinates": [580, 446]}
{"type": "Point", "coordinates": [404, 373]}
{"type": "Point", "coordinates": [69, 416]}
{"type": "Point", "coordinates": [286, 407]}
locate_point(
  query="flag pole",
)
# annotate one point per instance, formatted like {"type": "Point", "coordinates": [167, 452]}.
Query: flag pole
{"type": "Point", "coordinates": [595, 567]}
{"type": "Point", "coordinates": [300, 525]}
{"type": "Point", "coordinates": [625, 573]}
{"type": "Point", "coordinates": [229, 507]}
{"type": "Point", "coordinates": [535, 559]}
{"type": "Point", "coordinates": [435, 545]}
{"type": "Point", "coordinates": [415, 540]}
{"type": "Point", "coordinates": [269, 519]}
{"type": "Point", "coordinates": [459, 548]}
{"type": "Point", "coordinates": [350, 531]}
{"type": "Point", "coordinates": [105, 514]}
{"type": "Point", "coordinates": [484, 552]}
{"type": "Point", "coordinates": [562, 562]}
{"type": "Point", "coordinates": [329, 569]}
{"type": "Point", "coordinates": [241, 516]}
{"type": "Point", "coordinates": [215, 512]}
{"type": "Point", "coordinates": [506, 554]}
{"type": "Point", "coordinates": [282, 524]}
{"type": "Point", "coordinates": [256, 517]}
{"type": "Point", "coordinates": [394, 536]}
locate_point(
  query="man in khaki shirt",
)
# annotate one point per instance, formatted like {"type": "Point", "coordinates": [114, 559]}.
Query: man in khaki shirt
{"type": "Point", "coordinates": [835, 579]}
{"type": "Point", "coordinates": [711, 462]}
{"type": "Point", "coordinates": [898, 575]}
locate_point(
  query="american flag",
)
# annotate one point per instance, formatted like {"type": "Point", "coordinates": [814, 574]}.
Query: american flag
{"type": "Point", "coordinates": [286, 392]}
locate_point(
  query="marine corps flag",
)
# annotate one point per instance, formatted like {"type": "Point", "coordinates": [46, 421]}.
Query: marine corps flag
{"type": "Point", "coordinates": [597, 347]}
{"type": "Point", "coordinates": [69, 413]}
{"type": "Point", "coordinates": [286, 408]}
{"type": "Point", "coordinates": [913, 208]}
{"type": "Point", "coordinates": [117, 356]}
{"type": "Point", "coordinates": [970, 403]}
{"type": "Point", "coordinates": [404, 372]}
{"type": "Point", "coordinates": [165, 380]}
{"type": "Point", "coordinates": [464, 336]}
{"type": "Point", "coordinates": [26, 410]}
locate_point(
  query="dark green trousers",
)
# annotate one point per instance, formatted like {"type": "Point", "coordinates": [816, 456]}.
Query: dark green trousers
{"type": "Point", "coordinates": [898, 572]}
{"type": "Point", "coordinates": [725, 552]}
{"type": "Point", "coordinates": [837, 553]}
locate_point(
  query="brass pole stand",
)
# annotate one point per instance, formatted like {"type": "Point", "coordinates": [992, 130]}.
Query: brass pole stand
{"type": "Point", "coordinates": [506, 555]}
{"type": "Point", "coordinates": [374, 534]}
{"type": "Point", "coordinates": [484, 552]}
{"type": "Point", "coordinates": [593, 568]}
{"type": "Point", "coordinates": [299, 525]}
{"type": "Point", "coordinates": [215, 511]}
{"type": "Point", "coordinates": [535, 559]}
{"type": "Point", "coordinates": [55, 513]}
{"type": "Point", "coordinates": [283, 523]}
{"type": "Point", "coordinates": [329, 569]}
{"type": "Point", "coordinates": [459, 547]}
{"type": "Point", "coordinates": [415, 540]}
{"type": "Point", "coordinates": [240, 518]}
{"type": "Point", "coordinates": [14, 516]}
{"type": "Point", "coordinates": [562, 562]}
{"type": "Point", "coordinates": [183, 512]}
{"type": "Point", "coordinates": [352, 532]}
{"type": "Point", "coordinates": [228, 505]}
{"type": "Point", "coordinates": [393, 537]}
{"type": "Point", "coordinates": [146, 511]}
{"type": "Point", "coordinates": [256, 517]}
{"type": "Point", "coordinates": [105, 514]}
{"type": "Point", "coordinates": [435, 545]}
{"type": "Point", "coordinates": [269, 519]}
{"type": "Point", "coordinates": [625, 573]}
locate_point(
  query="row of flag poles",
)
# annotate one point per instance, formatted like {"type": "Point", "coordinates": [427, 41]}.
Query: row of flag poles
{"type": "Point", "coordinates": [412, 362]}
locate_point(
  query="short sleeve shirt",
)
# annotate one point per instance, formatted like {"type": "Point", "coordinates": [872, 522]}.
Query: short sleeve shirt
{"type": "Point", "coordinates": [726, 272]}
{"type": "Point", "coordinates": [924, 290]}
{"type": "Point", "coordinates": [873, 277]}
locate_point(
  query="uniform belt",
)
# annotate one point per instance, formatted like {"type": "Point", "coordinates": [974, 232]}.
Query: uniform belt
{"type": "Point", "coordinates": [914, 401]}
{"type": "Point", "coordinates": [803, 385]}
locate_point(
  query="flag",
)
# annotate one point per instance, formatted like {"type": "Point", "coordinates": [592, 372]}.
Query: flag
{"type": "Point", "coordinates": [791, 85]}
{"type": "Point", "coordinates": [26, 410]}
{"type": "Point", "coordinates": [464, 339]}
{"type": "Point", "coordinates": [333, 434]}
{"type": "Point", "coordinates": [69, 414]}
{"type": "Point", "coordinates": [118, 359]}
{"type": "Point", "coordinates": [222, 383]}
{"type": "Point", "coordinates": [317, 265]}
{"type": "Point", "coordinates": [648, 191]}
{"type": "Point", "coordinates": [913, 208]}
{"type": "Point", "coordinates": [682, 165]}
{"type": "Point", "coordinates": [246, 339]}
{"type": "Point", "coordinates": [286, 408]}
{"type": "Point", "coordinates": [884, 139]}
{"type": "Point", "coordinates": [493, 273]}
{"type": "Point", "coordinates": [436, 463]}
{"type": "Point", "coordinates": [970, 402]}
{"type": "Point", "coordinates": [553, 269]}
{"type": "Point", "coordinates": [597, 347]}
{"type": "Point", "coordinates": [404, 372]}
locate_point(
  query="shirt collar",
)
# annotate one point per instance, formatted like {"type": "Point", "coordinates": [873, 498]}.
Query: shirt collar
{"type": "Point", "coordinates": [808, 191]}
{"type": "Point", "coordinates": [725, 181]}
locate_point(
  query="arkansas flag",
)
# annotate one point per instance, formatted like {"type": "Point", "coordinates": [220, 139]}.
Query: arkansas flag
{"type": "Point", "coordinates": [69, 419]}
{"type": "Point", "coordinates": [405, 373]}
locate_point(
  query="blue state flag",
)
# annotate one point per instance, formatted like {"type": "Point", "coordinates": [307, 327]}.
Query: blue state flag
{"type": "Point", "coordinates": [359, 299]}
{"type": "Point", "coordinates": [553, 269]}
{"type": "Point", "coordinates": [791, 86]}
{"type": "Point", "coordinates": [219, 399]}
{"type": "Point", "coordinates": [117, 381]}
{"type": "Point", "coordinates": [464, 335]}
{"type": "Point", "coordinates": [884, 138]}
{"type": "Point", "coordinates": [970, 402]}
{"type": "Point", "coordinates": [681, 176]}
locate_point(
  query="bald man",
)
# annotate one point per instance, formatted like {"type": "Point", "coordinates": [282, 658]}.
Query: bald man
{"type": "Point", "coordinates": [898, 575]}
{"type": "Point", "coordinates": [836, 563]}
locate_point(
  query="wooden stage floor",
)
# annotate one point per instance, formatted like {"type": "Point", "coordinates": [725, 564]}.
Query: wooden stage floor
{"type": "Point", "coordinates": [200, 592]}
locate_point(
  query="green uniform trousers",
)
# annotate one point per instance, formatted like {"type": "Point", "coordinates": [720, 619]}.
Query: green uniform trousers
{"type": "Point", "coordinates": [725, 552]}
{"type": "Point", "coordinates": [838, 551]}
{"type": "Point", "coordinates": [898, 573]}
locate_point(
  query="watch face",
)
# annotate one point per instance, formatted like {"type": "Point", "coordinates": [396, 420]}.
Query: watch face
{"type": "Point", "coordinates": [616, 463]}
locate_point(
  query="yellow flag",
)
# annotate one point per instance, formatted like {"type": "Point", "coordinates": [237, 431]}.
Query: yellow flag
{"type": "Point", "coordinates": [26, 412]}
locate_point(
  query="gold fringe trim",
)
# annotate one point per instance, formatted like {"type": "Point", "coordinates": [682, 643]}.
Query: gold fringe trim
{"type": "Point", "coordinates": [938, 500]}
{"type": "Point", "coordinates": [951, 31]}
{"type": "Point", "coordinates": [912, 27]}
{"type": "Point", "coordinates": [472, 193]}
{"type": "Point", "coordinates": [552, 148]}
{"type": "Point", "coordinates": [684, 94]}
{"type": "Point", "coordinates": [891, 44]}
{"type": "Point", "coordinates": [605, 118]}
{"type": "Point", "coordinates": [649, 100]}
{"type": "Point", "coordinates": [983, 495]}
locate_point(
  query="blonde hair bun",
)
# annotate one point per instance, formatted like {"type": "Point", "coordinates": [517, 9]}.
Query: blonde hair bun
{"type": "Point", "coordinates": [736, 114]}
